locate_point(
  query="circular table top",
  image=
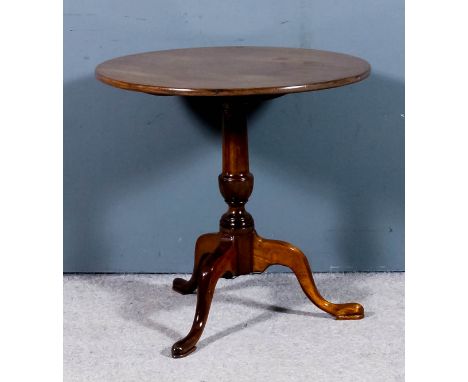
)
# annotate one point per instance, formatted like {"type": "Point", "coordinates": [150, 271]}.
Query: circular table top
{"type": "Point", "coordinates": [232, 71]}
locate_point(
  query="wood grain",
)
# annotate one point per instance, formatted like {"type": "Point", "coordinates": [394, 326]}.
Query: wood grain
{"type": "Point", "coordinates": [232, 71]}
{"type": "Point", "coordinates": [240, 74]}
{"type": "Point", "coordinates": [237, 249]}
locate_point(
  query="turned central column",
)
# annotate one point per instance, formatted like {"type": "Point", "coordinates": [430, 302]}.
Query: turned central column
{"type": "Point", "coordinates": [236, 182]}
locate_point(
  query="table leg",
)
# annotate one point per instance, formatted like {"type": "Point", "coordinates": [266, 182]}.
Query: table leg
{"type": "Point", "coordinates": [237, 249]}
{"type": "Point", "coordinates": [212, 266]}
{"type": "Point", "coordinates": [274, 252]}
{"type": "Point", "coordinates": [205, 245]}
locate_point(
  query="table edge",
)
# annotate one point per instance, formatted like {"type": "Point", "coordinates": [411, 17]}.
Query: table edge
{"type": "Point", "coordinates": [165, 91]}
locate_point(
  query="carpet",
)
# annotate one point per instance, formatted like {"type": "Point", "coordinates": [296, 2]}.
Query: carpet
{"type": "Point", "coordinates": [261, 327]}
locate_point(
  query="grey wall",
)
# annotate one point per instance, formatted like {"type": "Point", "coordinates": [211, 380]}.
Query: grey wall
{"type": "Point", "coordinates": [140, 172]}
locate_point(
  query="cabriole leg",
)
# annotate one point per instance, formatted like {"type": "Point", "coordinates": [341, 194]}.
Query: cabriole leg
{"type": "Point", "coordinates": [270, 252]}
{"type": "Point", "coordinates": [211, 268]}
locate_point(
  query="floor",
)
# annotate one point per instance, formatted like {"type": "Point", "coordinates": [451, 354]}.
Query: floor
{"type": "Point", "coordinates": [261, 327]}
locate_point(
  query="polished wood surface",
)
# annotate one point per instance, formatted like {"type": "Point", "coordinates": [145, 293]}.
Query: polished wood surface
{"type": "Point", "coordinates": [212, 266]}
{"type": "Point", "coordinates": [206, 244]}
{"type": "Point", "coordinates": [238, 76]}
{"type": "Point", "coordinates": [232, 71]}
{"type": "Point", "coordinates": [237, 249]}
{"type": "Point", "coordinates": [274, 252]}
{"type": "Point", "coordinates": [222, 256]}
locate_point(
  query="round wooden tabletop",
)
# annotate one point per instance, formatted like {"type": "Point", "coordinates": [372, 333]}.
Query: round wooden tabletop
{"type": "Point", "coordinates": [232, 71]}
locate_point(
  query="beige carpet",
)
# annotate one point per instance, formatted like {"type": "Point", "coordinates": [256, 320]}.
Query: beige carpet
{"type": "Point", "coordinates": [121, 328]}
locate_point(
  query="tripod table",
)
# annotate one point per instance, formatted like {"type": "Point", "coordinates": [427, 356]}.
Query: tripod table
{"type": "Point", "coordinates": [237, 76]}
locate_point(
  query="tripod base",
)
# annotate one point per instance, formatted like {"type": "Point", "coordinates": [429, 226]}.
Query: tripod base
{"type": "Point", "coordinates": [218, 255]}
{"type": "Point", "coordinates": [237, 249]}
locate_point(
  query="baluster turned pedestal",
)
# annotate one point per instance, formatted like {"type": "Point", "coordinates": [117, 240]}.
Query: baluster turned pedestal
{"type": "Point", "coordinates": [237, 249]}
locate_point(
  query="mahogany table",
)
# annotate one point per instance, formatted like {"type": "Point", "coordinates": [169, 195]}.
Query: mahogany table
{"type": "Point", "coordinates": [237, 76]}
